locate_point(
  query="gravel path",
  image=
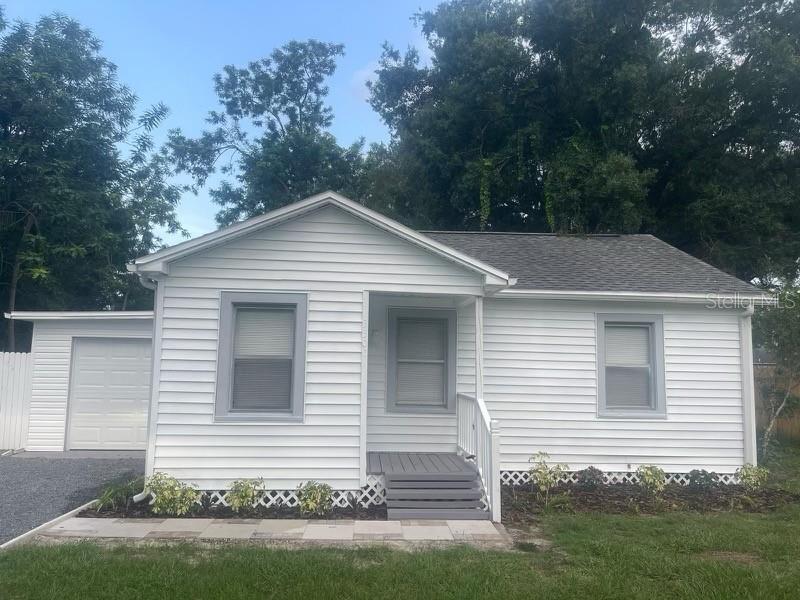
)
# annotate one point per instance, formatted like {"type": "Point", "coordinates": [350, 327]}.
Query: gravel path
{"type": "Point", "coordinates": [37, 487]}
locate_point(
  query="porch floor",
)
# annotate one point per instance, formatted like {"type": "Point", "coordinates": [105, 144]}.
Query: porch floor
{"type": "Point", "coordinates": [397, 463]}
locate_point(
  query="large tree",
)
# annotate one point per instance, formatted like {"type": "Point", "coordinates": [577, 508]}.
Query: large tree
{"type": "Point", "coordinates": [271, 138]}
{"type": "Point", "coordinates": [80, 187]}
{"type": "Point", "coordinates": [680, 118]}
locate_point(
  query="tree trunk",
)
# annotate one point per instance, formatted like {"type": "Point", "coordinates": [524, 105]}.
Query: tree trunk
{"type": "Point", "coordinates": [11, 341]}
{"type": "Point", "coordinates": [773, 419]}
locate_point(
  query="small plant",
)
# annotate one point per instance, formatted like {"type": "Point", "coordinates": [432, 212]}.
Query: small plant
{"type": "Point", "coordinates": [652, 479]}
{"type": "Point", "coordinates": [119, 495]}
{"type": "Point", "coordinates": [702, 479]}
{"type": "Point", "coordinates": [170, 496]}
{"type": "Point", "coordinates": [752, 477]}
{"type": "Point", "coordinates": [244, 494]}
{"type": "Point", "coordinates": [315, 498]}
{"type": "Point", "coordinates": [591, 478]}
{"type": "Point", "coordinates": [544, 476]}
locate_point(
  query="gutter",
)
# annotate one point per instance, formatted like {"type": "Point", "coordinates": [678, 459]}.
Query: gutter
{"type": "Point", "coordinates": [734, 300]}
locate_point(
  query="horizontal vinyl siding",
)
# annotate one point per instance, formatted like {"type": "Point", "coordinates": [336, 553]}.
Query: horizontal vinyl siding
{"type": "Point", "coordinates": [404, 432]}
{"type": "Point", "coordinates": [52, 352]}
{"type": "Point", "coordinates": [541, 384]}
{"type": "Point", "coordinates": [333, 257]}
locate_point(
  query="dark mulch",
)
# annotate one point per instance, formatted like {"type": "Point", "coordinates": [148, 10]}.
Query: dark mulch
{"type": "Point", "coordinates": [520, 502]}
{"type": "Point", "coordinates": [142, 511]}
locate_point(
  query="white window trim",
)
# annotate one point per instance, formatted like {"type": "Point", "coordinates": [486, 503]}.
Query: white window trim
{"type": "Point", "coordinates": [229, 301]}
{"type": "Point", "coordinates": [449, 315]}
{"type": "Point", "coordinates": [656, 324]}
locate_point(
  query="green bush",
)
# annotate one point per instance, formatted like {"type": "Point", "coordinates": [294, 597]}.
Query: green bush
{"type": "Point", "coordinates": [752, 477]}
{"type": "Point", "coordinates": [544, 476]}
{"type": "Point", "coordinates": [652, 479]}
{"type": "Point", "coordinates": [702, 479]}
{"type": "Point", "coordinates": [590, 478]}
{"type": "Point", "coordinates": [170, 496]}
{"type": "Point", "coordinates": [315, 498]}
{"type": "Point", "coordinates": [119, 495]}
{"type": "Point", "coordinates": [244, 494]}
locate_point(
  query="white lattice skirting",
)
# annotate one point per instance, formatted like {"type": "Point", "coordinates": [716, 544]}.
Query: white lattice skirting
{"type": "Point", "coordinates": [522, 477]}
{"type": "Point", "coordinates": [372, 494]}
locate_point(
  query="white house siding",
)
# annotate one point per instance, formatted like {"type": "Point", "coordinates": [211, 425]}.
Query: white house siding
{"type": "Point", "coordinates": [424, 432]}
{"type": "Point", "coordinates": [51, 348]}
{"type": "Point", "coordinates": [334, 257]}
{"type": "Point", "coordinates": [541, 378]}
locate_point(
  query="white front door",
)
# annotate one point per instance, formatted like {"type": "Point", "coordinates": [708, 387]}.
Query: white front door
{"type": "Point", "coordinates": [109, 394]}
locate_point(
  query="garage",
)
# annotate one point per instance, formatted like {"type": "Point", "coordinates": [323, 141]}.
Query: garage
{"type": "Point", "coordinates": [90, 380]}
{"type": "Point", "coordinates": [109, 394]}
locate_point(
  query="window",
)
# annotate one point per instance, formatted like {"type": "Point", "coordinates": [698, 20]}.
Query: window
{"type": "Point", "coordinates": [261, 370]}
{"type": "Point", "coordinates": [630, 359]}
{"type": "Point", "coordinates": [421, 369]}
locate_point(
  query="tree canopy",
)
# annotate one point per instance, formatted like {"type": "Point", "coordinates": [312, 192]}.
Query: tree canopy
{"type": "Point", "coordinates": [81, 189]}
{"type": "Point", "coordinates": [678, 118]}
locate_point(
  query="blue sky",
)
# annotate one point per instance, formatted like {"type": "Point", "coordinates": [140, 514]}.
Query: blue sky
{"type": "Point", "coordinates": [168, 51]}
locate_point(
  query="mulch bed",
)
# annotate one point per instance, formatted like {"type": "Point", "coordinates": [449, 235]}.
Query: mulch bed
{"type": "Point", "coordinates": [142, 511]}
{"type": "Point", "coordinates": [520, 502]}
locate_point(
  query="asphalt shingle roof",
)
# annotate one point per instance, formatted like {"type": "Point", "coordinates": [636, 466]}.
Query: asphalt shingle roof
{"type": "Point", "coordinates": [602, 263]}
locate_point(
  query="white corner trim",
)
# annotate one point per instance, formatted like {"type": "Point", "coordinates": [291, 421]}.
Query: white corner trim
{"type": "Point", "coordinates": [108, 315]}
{"type": "Point", "coordinates": [155, 380]}
{"type": "Point", "coordinates": [36, 530]}
{"type": "Point", "coordinates": [362, 438]}
{"type": "Point", "coordinates": [748, 387]}
{"type": "Point", "coordinates": [158, 262]}
{"type": "Point", "coordinates": [735, 300]}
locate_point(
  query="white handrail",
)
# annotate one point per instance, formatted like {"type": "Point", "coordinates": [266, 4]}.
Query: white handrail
{"type": "Point", "coordinates": [478, 437]}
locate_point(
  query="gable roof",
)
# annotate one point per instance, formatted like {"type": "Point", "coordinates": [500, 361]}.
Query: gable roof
{"type": "Point", "coordinates": [596, 263]}
{"type": "Point", "coordinates": [158, 262]}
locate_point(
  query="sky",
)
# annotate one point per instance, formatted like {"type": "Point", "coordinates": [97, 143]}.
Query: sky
{"type": "Point", "coordinates": [169, 50]}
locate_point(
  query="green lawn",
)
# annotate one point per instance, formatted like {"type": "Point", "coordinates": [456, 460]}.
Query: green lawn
{"type": "Point", "coordinates": [677, 555]}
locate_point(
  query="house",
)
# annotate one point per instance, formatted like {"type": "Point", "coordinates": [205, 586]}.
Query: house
{"type": "Point", "coordinates": [324, 341]}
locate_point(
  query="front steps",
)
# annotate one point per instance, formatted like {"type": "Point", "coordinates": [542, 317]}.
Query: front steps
{"type": "Point", "coordinates": [431, 495]}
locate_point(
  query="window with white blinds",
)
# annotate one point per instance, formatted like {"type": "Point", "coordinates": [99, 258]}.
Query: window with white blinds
{"type": "Point", "coordinates": [261, 358]}
{"type": "Point", "coordinates": [263, 349]}
{"type": "Point", "coordinates": [630, 358]}
{"type": "Point", "coordinates": [421, 374]}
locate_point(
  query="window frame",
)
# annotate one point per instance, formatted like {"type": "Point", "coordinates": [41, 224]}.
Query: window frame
{"type": "Point", "coordinates": [449, 316]}
{"type": "Point", "coordinates": [229, 303]}
{"type": "Point", "coordinates": [658, 410]}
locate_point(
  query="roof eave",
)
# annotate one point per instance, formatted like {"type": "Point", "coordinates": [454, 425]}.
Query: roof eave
{"type": "Point", "coordinates": [108, 315]}
{"type": "Point", "coordinates": [711, 300]}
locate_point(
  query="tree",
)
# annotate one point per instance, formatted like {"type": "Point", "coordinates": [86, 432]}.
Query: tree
{"type": "Point", "coordinates": [271, 135]}
{"type": "Point", "coordinates": [777, 330]}
{"type": "Point", "coordinates": [81, 188]}
{"type": "Point", "coordinates": [677, 118]}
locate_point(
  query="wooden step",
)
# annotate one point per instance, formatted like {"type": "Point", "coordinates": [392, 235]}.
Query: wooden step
{"type": "Point", "coordinates": [450, 476]}
{"type": "Point", "coordinates": [433, 504]}
{"type": "Point", "coordinates": [470, 514]}
{"type": "Point", "coordinates": [431, 484]}
{"type": "Point", "coordinates": [433, 494]}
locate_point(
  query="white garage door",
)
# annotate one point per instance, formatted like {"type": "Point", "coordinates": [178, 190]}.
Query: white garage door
{"type": "Point", "coordinates": [109, 395]}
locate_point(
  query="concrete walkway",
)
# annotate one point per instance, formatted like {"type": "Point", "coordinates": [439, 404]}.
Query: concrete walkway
{"type": "Point", "coordinates": [483, 533]}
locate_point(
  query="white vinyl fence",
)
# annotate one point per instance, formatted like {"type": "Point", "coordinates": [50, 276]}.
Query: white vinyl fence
{"type": "Point", "coordinates": [15, 391]}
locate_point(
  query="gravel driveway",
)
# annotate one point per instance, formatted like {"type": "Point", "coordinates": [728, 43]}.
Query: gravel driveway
{"type": "Point", "coordinates": [38, 486]}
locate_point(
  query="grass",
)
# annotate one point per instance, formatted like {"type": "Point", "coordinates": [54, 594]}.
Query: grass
{"type": "Point", "coordinates": [675, 555]}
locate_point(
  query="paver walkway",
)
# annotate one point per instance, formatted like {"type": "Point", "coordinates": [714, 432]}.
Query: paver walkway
{"type": "Point", "coordinates": [339, 531]}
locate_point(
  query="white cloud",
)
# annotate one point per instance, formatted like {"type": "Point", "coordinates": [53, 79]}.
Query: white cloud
{"type": "Point", "coordinates": [358, 82]}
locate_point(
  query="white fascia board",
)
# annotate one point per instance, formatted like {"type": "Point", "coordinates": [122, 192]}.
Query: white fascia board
{"type": "Point", "coordinates": [158, 261]}
{"type": "Point", "coordinates": [734, 300]}
{"type": "Point", "coordinates": [107, 315]}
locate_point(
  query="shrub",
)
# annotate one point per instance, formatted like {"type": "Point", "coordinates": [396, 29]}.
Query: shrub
{"type": "Point", "coordinates": [752, 477]}
{"type": "Point", "coordinates": [702, 479]}
{"type": "Point", "coordinates": [119, 495]}
{"type": "Point", "coordinates": [315, 498]}
{"type": "Point", "coordinates": [170, 496]}
{"type": "Point", "coordinates": [591, 477]}
{"type": "Point", "coordinates": [545, 476]}
{"type": "Point", "coordinates": [244, 494]}
{"type": "Point", "coordinates": [652, 479]}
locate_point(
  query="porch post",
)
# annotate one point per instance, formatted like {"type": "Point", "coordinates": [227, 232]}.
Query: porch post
{"type": "Point", "coordinates": [478, 346]}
